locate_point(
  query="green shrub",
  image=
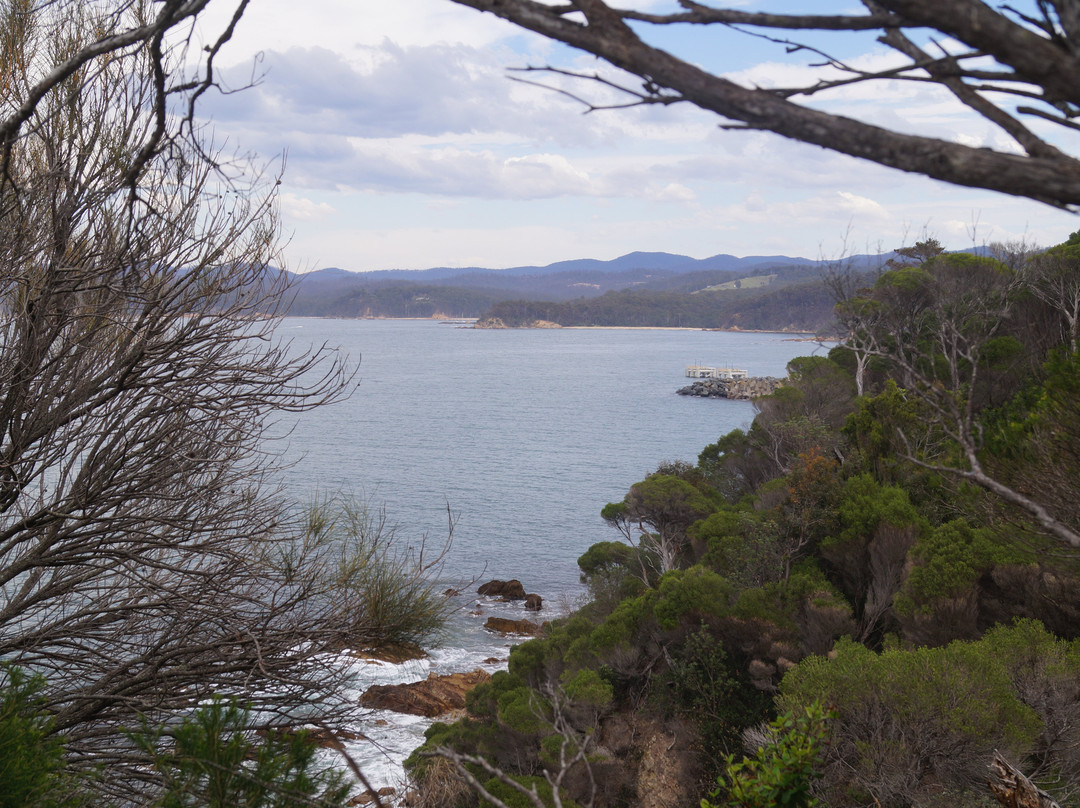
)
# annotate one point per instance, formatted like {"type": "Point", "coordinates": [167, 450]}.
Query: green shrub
{"type": "Point", "coordinates": [515, 799]}
{"type": "Point", "coordinates": [692, 593]}
{"type": "Point", "coordinates": [588, 688]}
{"type": "Point", "coordinates": [211, 760]}
{"type": "Point", "coordinates": [782, 771]}
{"type": "Point", "coordinates": [913, 722]}
{"type": "Point", "coordinates": [32, 768]}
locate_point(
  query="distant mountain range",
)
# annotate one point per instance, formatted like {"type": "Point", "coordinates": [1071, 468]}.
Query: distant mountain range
{"type": "Point", "coordinates": [472, 291]}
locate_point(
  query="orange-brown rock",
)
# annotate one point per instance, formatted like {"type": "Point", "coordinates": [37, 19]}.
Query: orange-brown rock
{"type": "Point", "coordinates": [431, 697]}
{"type": "Point", "coordinates": [506, 626]}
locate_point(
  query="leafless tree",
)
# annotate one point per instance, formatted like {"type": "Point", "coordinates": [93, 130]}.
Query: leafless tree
{"type": "Point", "coordinates": [1053, 278]}
{"type": "Point", "coordinates": [148, 558]}
{"type": "Point", "coordinates": [988, 58]}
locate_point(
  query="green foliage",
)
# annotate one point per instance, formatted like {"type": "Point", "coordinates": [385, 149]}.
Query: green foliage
{"type": "Point", "coordinates": [705, 685]}
{"type": "Point", "coordinates": [588, 688]}
{"type": "Point", "coordinates": [394, 600]}
{"type": "Point", "coordinates": [524, 710]}
{"type": "Point", "coordinates": [914, 721]}
{"type": "Point", "coordinates": [690, 595]}
{"type": "Point", "coordinates": [662, 499]}
{"type": "Point", "coordinates": [210, 759]}
{"type": "Point", "coordinates": [32, 768]}
{"type": "Point", "coordinates": [515, 799]}
{"type": "Point", "coordinates": [727, 538]}
{"type": "Point", "coordinates": [950, 559]}
{"type": "Point", "coordinates": [865, 504]}
{"type": "Point", "coordinates": [782, 772]}
{"type": "Point", "coordinates": [803, 306]}
{"type": "Point", "coordinates": [620, 628]}
{"type": "Point", "coordinates": [607, 555]}
{"type": "Point", "coordinates": [614, 571]}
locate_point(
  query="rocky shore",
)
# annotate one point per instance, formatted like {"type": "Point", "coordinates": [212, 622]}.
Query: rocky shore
{"type": "Point", "coordinates": [742, 389]}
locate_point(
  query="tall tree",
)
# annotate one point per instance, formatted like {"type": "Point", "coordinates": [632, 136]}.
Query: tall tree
{"type": "Point", "coordinates": [987, 58]}
{"type": "Point", "coordinates": [943, 326]}
{"type": "Point", "coordinates": [147, 556]}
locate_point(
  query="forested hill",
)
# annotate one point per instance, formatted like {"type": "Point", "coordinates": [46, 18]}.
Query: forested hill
{"type": "Point", "coordinates": [638, 289]}
{"type": "Point", "coordinates": [805, 306]}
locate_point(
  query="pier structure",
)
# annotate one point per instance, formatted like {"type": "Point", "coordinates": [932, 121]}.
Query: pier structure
{"type": "Point", "coordinates": [710, 372]}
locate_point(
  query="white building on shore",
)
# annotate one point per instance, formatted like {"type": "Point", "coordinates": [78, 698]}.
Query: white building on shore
{"type": "Point", "coordinates": [709, 372]}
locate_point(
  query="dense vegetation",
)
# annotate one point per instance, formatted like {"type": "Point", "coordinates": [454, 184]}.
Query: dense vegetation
{"type": "Point", "coordinates": [868, 593]}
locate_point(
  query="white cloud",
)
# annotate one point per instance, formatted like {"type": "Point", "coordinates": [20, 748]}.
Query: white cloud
{"type": "Point", "coordinates": [856, 204]}
{"type": "Point", "coordinates": [406, 139]}
{"type": "Point", "coordinates": [298, 208]}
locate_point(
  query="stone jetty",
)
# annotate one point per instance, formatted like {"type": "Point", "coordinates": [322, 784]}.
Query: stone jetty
{"type": "Point", "coordinates": [742, 389]}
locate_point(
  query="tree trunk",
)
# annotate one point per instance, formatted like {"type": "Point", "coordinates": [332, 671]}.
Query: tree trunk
{"type": "Point", "coordinates": [1013, 790]}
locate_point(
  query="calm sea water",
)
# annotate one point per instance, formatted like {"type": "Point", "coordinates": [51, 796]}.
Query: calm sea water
{"type": "Point", "coordinates": [525, 434]}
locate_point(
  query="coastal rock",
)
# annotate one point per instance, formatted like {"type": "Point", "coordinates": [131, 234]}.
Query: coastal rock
{"type": "Point", "coordinates": [511, 590]}
{"type": "Point", "coordinates": [534, 603]}
{"type": "Point", "coordinates": [741, 389]}
{"type": "Point", "coordinates": [369, 797]}
{"type": "Point", "coordinates": [431, 697]}
{"type": "Point", "coordinates": [506, 626]}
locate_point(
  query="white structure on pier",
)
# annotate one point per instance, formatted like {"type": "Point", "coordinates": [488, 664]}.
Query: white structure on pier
{"type": "Point", "coordinates": [709, 372]}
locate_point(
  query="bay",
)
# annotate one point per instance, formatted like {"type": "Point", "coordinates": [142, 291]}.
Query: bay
{"type": "Point", "coordinates": [524, 435]}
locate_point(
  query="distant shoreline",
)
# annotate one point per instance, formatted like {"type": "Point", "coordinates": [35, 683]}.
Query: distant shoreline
{"type": "Point", "coordinates": [804, 336]}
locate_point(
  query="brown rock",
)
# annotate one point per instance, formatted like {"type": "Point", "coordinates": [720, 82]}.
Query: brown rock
{"type": "Point", "coordinates": [511, 590]}
{"type": "Point", "coordinates": [431, 697]}
{"type": "Point", "coordinates": [534, 603]}
{"type": "Point", "coordinates": [506, 626]}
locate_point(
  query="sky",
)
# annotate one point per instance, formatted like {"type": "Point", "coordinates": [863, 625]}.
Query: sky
{"type": "Point", "coordinates": [407, 145]}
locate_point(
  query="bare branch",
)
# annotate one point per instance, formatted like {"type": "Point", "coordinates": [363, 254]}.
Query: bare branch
{"type": "Point", "coordinates": [1039, 60]}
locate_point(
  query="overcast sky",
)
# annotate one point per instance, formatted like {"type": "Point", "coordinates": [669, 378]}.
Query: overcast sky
{"type": "Point", "coordinates": [408, 146]}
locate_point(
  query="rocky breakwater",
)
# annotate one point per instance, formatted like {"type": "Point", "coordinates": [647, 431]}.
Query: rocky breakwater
{"type": "Point", "coordinates": [742, 389]}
